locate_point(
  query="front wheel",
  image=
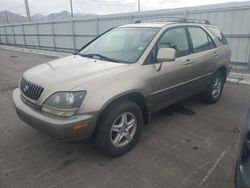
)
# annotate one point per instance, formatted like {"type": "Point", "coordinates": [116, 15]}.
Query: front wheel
{"type": "Point", "coordinates": [119, 128]}
{"type": "Point", "coordinates": [213, 92]}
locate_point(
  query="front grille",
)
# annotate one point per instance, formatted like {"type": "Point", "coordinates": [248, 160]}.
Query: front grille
{"type": "Point", "coordinates": [30, 90]}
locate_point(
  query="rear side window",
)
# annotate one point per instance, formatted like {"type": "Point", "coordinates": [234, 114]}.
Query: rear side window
{"type": "Point", "coordinates": [200, 39]}
{"type": "Point", "coordinates": [177, 39]}
{"type": "Point", "coordinates": [218, 34]}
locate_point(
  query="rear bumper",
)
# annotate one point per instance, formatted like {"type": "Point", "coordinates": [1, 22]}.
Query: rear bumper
{"type": "Point", "coordinates": [60, 128]}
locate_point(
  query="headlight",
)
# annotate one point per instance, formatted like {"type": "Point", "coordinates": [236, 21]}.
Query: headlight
{"type": "Point", "coordinates": [64, 103]}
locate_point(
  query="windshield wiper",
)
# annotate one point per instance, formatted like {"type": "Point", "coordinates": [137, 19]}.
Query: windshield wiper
{"type": "Point", "coordinates": [102, 57]}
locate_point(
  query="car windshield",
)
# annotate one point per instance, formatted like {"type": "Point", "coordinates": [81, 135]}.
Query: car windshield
{"type": "Point", "coordinates": [121, 45]}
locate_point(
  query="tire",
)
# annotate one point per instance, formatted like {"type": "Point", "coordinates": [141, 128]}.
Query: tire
{"type": "Point", "coordinates": [110, 128]}
{"type": "Point", "coordinates": [214, 90]}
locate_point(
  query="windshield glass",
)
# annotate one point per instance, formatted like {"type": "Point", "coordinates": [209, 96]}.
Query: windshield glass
{"type": "Point", "coordinates": [122, 45]}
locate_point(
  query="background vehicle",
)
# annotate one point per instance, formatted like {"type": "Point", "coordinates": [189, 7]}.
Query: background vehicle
{"type": "Point", "coordinates": [242, 171]}
{"type": "Point", "coordinates": [112, 85]}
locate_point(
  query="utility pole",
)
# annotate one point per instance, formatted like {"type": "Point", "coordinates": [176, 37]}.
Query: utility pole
{"type": "Point", "coordinates": [27, 10]}
{"type": "Point", "coordinates": [139, 6]}
{"type": "Point", "coordinates": [71, 8]}
{"type": "Point", "coordinates": [6, 17]}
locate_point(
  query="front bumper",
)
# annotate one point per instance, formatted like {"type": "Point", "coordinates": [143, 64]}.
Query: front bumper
{"type": "Point", "coordinates": [57, 127]}
{"type": "Point", "coordinates": [242, 176]}
{"type": "Point", "coordinates": [242, 172]}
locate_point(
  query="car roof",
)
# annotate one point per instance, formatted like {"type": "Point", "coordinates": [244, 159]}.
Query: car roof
{"type": "Point", "coordinates": [153, 24]}
{"type": "Point", "coordinates": [162, 24]}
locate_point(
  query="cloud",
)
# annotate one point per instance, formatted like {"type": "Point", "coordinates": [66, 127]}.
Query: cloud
{"type": "Point", "coordinates": [13, 5]}
{"type": "Point", "coordinates": [99, 6]}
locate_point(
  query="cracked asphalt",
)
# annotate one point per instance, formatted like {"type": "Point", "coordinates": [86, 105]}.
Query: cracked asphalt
{"type": "Point", "coordinates": [187, 145]}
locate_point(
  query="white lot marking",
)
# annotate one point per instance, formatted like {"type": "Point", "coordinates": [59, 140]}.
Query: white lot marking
{"type": "Point", "coordinates": [238, 81]}
{"type": "Point", "coordinates": [12, 169]}
{"type": "Point", "coordinates": [213, 167]}
{"type": "Point", "coordinates": [193, 173]}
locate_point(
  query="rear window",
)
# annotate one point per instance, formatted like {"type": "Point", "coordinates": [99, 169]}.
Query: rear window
{"type": "Point", "coordinates": [218, 34]}
{"type": "Point", "coordinates": [200, 39]}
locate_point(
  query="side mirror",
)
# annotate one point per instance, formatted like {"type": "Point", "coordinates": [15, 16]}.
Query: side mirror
{"type": "Point", "coordinates": [166, 55]}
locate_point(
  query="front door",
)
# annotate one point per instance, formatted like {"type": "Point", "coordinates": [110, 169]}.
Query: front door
{"type": "Point", "coordinates": [172, 79]}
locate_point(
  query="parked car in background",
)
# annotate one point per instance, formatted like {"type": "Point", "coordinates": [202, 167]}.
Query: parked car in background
{"type": "Point", "coordinates": [110, 87]}
{"type": "Point", "coordinates": [242, 171]}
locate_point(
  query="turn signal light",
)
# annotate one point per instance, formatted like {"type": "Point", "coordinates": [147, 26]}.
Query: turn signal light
{"type": "Point", "coordinates": [81, 126]}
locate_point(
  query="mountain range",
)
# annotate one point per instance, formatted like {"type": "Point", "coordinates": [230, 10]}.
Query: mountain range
{"type": "Point", "coordinates": [10, 17]}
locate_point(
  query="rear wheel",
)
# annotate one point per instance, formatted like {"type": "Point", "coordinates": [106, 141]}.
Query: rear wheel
{"type": "Point", "coordinates": [213, 92]}
{"type": "Point", "coordinates": [119, 128]}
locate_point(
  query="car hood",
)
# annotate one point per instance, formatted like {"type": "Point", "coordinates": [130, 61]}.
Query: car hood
{"type": "Point", "coordinates": [69, 72]}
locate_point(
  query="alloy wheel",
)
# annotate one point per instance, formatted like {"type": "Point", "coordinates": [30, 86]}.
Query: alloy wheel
{"type": "Point", "coordinates": [123, 129]}
{"type": "Point", "coordinates": [217, 87]}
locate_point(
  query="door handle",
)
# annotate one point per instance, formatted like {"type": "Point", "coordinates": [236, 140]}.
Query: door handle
{"type": "Point", "coordinates": [188, 62]}
{"type": "Point", "coordinates": [215, 54]}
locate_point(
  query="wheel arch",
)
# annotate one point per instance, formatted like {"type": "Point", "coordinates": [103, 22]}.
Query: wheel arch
{"type": "Point", "coordinates": [223, 70]}
{"type": "Point", "coordinates": [134, 96]}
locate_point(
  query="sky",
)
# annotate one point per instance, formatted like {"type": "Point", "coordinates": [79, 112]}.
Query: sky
{"type": "Point", "coordinates": [99, 6]}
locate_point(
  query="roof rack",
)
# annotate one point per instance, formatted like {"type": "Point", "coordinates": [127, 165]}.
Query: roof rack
{"type": "Point", "coordinates": [176, 19]}
{"type": "Point", "coordinates": [200, 21]}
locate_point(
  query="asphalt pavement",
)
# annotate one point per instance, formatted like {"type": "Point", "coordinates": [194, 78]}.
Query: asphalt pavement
{"type": "Point", "coordinates": [190, 144]}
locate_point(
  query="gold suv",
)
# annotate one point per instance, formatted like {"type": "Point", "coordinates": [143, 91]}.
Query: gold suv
{"type": "Point", "coordinates": [109, 88]}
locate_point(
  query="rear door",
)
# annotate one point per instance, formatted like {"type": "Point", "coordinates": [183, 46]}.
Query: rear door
{"type": "Point", "coordinates": [204, 55]}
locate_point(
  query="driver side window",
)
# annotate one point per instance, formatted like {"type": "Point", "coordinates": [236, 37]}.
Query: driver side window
{"type": "Point", "coordinates": [174, 38]}
{"type": "Point", "coordinates": [177, 39]}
